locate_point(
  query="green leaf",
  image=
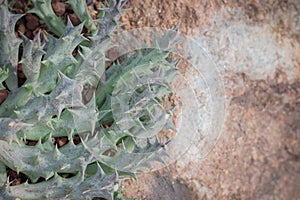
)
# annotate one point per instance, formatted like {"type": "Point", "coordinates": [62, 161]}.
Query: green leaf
{"type": "Point", "coordinates": [81, 10]}
{"type": "Point", "coordinates": [9, 44]}
{"type": "Point", "coordinates": [43, 9]}
{"type": "Point", "coordinates": [3, 76]}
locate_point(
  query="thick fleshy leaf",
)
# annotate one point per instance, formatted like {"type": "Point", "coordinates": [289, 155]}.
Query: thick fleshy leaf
{"type": "Point", "coordinates": [43, 9]}
{"type": "Point", "coordinates": [109, 20]}
{"type": "Point", "coordinates": [59, 57]}
{"type": "Point", "coordinates": [44, 159]}
{"type": "Point", "coordinates": [98, 185]}
{"type": "Point", "coordinates": [81, 10]}
{"type": "Point", "coordinates": [31, 59]}
{"type": "Point", "coordinates": [9, 44]}
{"type": "Point", "coordinates": [3, 76]}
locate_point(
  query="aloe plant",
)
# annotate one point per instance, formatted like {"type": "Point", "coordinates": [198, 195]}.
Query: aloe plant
{"type": "Point", "coordinates": [117, 126]}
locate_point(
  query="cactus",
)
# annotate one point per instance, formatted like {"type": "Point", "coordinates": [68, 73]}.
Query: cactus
{"type": "Point", "coordinates": [117, 126]}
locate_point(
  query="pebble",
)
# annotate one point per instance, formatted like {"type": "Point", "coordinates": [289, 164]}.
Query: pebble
{"type": "Point", "coordinates": [97, 5]}
{"type": "Point", "coordinates": [74, 19]}
{"type": "Point", "coordinates": [59, 8]}
{"type": "Point", "coordinates": [20, 71]}
{"type": "Point", "coordinates": [32, 22]}
{"type": "Point", "coordinates": [21, 28]}
{"type": "Point", "coordinates": [62, 142]}
{"type": "Point", "coordinates": [19, 5]}
{"type": "Point", "coordinates": [3, 95]}
{"type": "Point", "coordinates": [29, 34]}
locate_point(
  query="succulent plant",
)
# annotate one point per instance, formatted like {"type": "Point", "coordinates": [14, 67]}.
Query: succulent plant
{"type": "Point", "coordinates": [116, 125]}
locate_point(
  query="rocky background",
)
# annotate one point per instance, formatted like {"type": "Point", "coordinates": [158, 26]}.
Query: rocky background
{"type": "Point", "coordinates": [256, 46]}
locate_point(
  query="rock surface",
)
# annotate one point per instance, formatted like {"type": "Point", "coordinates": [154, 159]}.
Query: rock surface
{"type": "Point", "coordinates": [256, 47]}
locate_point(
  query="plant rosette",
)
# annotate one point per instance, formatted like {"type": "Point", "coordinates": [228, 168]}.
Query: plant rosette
{"type": "Point", "coordinates": [122, 103]}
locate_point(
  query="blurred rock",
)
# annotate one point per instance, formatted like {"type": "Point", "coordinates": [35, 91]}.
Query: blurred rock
{"type": "Point", "coordinates": [32, 22]}
{"type": "Point", "coordinates": [58, 7]}
{"type": "Point", "coordinates": [74, 19]}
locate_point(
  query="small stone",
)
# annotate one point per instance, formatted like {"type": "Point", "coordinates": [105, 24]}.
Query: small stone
{"type": "Point", "coordinates": [32, 22]}
{"type": "Point", "coordinates": [59, 7]}
{"type": "Point", "coordinates": [31, 143]}
{"type": "Point", "coordinates": [3, 95]}
{"type": "Point", "coordinates": [31, 26]}
{"type": "Point", "coordinates": [62, 141]}
{"type": "Point", "coordinates": [20, 72]}
{"type": "Point", "coordinates": [29, 17]}
{"type": "Point", "coordinates": [19, 5]}
{"type": "Point", "coordinates": [29, 34]}
{"type": "Point", "coordinates": [97, 5]}
{"type": "Point", "coordinates": [21, 28]}
{"type": "Point", "coordinates": [74, 19]}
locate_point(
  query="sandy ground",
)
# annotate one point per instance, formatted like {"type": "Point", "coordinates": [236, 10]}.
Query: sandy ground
{"type": "Point", "coordinates": [256, 47]}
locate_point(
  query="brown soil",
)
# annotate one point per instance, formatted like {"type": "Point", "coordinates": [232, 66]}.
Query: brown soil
{"type": "Point", "coordinates": [257, 156]}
